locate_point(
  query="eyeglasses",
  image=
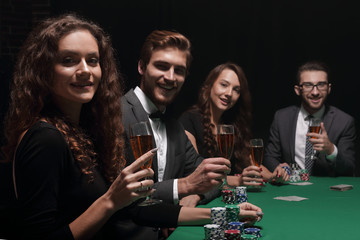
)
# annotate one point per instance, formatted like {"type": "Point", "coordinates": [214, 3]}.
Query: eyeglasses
{"type": "Point", "coordinates": [308, 87]}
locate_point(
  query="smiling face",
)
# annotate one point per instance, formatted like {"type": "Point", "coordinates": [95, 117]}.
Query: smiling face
{"type": "Point", "coordinates": [314, 99]}
{"type": "Point", "coordinates": [225, 91]}
{"type": "Point", "coordinates": [77, 71]}
{"type": "Point", "coordinates": [164, 75]}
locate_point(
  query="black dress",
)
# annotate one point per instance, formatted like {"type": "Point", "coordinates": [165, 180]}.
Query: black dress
{"type": "Point", "coordinates": [52, 191]}
{"type": "Point", "coordinates": [192, 122]}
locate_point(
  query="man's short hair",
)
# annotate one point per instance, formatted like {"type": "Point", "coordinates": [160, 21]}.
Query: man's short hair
{"type": "Point", "coordinates": [312, 66]}
{"type": "Point", "coordinates": [160, 39]}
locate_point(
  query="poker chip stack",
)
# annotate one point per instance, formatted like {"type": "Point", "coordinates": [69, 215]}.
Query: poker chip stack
{"type": "Point", "coordinates": [232, 234]}
{"type": "Point", "coordinates": [212, 232]}
{"type": "Point", "coordinates": [228, 196]}
{"type": "Point", "coordinates": [232, 213]}
{"type": "Point", "coordinates": [236, 226]}
{"type": "Point", "coordinates": [241, 195]}
{"type": "Point", "coordinates": [287, 170]}
{"type": "Point", "coordinates": [295, 173]}
{"type": "Point", "coordinates": [304, 175]}
{"type": "Point", "coordinates": [248, 237]}
{"type": "Point", "coordinates": [218, 216]}
{"type": "Point", "coordinates": [253, 231]}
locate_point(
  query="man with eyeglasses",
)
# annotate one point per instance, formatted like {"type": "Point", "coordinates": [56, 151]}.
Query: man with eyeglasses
{"type": "Point", "coordinates": [334, 145]}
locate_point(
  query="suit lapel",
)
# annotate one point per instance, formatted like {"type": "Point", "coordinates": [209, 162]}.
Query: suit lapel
{"type": "Point", "coordinates": [292, 130]}
{"type": "Point", "coordinates": [170, 152]}
{"type": "Point", "coordinates": [136, 107]}
{"type": "Point", "coordinates": [328, 118]}
{"type": "Point", "coordinates": [140, 115]}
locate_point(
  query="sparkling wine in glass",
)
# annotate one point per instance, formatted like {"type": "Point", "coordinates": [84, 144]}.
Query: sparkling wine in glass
{"type": "Point", "coordinates": [141, 141]}
{"type": "Point", "coordinates": [314, 127]}
{"type": "Point", "coordinates": [225, 140]}
{"type": "Point", "coordinates": [257, 151]}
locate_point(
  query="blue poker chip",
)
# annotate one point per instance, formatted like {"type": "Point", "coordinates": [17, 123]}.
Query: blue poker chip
{"type": "Point", "coordinates": [236, 226]}
{"type": "Point", "coordinates": [287, 169]}
{"type": "Point", "coordinates": [252, 231]}
{"type": "Point", "coordinates": [240, 198]}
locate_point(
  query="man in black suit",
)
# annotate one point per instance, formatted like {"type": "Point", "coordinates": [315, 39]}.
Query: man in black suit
{"type": "Point", "coordinates": [335, 144]}
{"type": "Point", "coordinates": [180, 173]}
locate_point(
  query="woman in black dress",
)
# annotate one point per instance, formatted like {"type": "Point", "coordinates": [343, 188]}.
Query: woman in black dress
{"type": "Point", "coordinates": [65, 141]}
{"type": "Point", "coordinates": [224, 98]}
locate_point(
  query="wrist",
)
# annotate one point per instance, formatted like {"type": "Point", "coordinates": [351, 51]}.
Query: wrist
{"type": "Point", "coordinates": [185, 188]}
{"type": "Point", "coordinates": [199, 197]}
{"type": "Point", "coordinates": [330, 150]}
{"type": "Point", "coordinates": [107, 203]}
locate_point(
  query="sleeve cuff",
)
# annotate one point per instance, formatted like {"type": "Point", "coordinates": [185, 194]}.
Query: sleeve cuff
{"type": "Point", "coordinates": [333, 155]}
{"type": "Point", "coordinates": [175, 193]}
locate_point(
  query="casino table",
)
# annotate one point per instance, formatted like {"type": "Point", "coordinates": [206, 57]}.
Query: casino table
{"type": "Point", "coordinates": [325, 215]}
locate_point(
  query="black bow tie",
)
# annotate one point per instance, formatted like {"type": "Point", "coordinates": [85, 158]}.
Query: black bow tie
{"type": "Point", "coordinates": [157, 114]}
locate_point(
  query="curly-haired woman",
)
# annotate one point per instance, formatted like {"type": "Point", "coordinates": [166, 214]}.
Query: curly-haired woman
{"type": "Point", "coordinates": [65, 141]}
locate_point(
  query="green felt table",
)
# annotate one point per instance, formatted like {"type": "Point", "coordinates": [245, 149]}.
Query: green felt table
{"type": "Point", "coordinates": [325, 215]}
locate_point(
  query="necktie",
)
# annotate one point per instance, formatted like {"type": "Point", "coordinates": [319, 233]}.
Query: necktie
{"type": "Point", "coordinates": [158, 115]}
{"type": "Point", "coordinates": [309, 162]}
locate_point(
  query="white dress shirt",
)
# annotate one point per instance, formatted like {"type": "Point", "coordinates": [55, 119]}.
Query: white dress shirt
{"type": "Point", "coordinates": [159, 130]}
{"type": "Point", "coordinates": [302, 127]}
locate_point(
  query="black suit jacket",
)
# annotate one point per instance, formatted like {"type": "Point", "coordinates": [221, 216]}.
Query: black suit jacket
{"type": "Point", "coordinates": [341, 131]}
{"type": "Point", "coordinates": [182, 159]}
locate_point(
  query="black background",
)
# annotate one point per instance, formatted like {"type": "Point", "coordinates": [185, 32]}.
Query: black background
{"type": "Point", "coordinates": [269, 39]}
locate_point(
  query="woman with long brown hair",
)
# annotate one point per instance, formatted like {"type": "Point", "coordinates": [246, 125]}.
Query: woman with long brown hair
{"type": "Point", "coordinates": [224, 98]}
{"type": "Point", "coordinates": [65, 141]}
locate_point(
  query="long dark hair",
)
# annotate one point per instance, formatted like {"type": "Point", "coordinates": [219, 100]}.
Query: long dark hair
{"type": "Point", "coordinates": [239, 116]}
{"type": "Point", "coordinates": [31, 100]}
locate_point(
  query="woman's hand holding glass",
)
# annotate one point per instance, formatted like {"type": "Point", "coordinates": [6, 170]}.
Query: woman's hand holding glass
{"type": "Point", "coordinates": [251, 176]}
{"type": "Point", "coordinates": [131, 184]}
{"type": "Point", "coordinates": [225, 141]}
{"type": "Point", "coordinates": [141, 140]}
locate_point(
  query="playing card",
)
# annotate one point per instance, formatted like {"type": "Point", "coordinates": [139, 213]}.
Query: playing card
{"type": "Point", "coordinates": [291, 198]}
{"type": "Point", "coordinates": [301, 183]}
{"type": "Point", "coordinates": [341, 187]}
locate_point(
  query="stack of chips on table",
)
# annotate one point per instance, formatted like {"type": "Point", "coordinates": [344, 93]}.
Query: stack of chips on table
{"type": "Point", "coordinates": [248, 237]}
{"type": "Point", "coordinates": [287, 170]}
{"type": "Point", "coordinates": [228, 196]}
{"type": "Point", "coordinates": [232, 234]}
{"type": "Point", "coordinates": [304, 175]}
{"type": "Point", "coordinates": [295, 173]}
{"type": "Point", "coordinates": [241, 195]}
{"type": "Point", "coordinates": [226, 225]}
{"type": "Point", "coordinates": [252, 231]}
{"type": "Point", "coordinates": [218, 217]}
{"type": "Point", "coordinates": [212, 232]}
{"type": "Point", "coordinates": [236, 226]}
{"type": "Point", "coordinates": [232, 213]}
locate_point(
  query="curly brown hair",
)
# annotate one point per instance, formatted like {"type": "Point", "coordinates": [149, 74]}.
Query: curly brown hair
{"type": "Point", "coordinates": [239, 116]}
{"type": "Point", "coordinates": [31, 100]}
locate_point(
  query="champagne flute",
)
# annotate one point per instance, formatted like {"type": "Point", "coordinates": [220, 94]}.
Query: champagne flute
{"type": "Point", "coordinates": [141, 140]}
{"type": "Point", "coordinates": [257, 151]}
{"type": "Point", "coordinates": [225, 140]}
{"type": "Point", "coordinates": [314, 127]}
